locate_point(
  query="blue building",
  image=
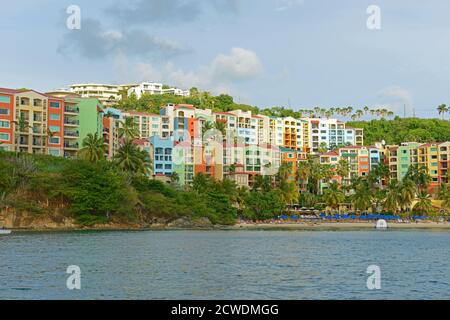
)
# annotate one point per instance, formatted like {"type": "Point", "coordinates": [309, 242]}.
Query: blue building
{"type": "Point", "coordinates": [162, 150]}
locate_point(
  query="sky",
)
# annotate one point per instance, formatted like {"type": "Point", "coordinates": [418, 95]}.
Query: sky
{"type": "Point", "coordinates": [294, 53]}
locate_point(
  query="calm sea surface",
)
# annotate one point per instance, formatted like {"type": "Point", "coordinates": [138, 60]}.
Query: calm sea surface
{"type": "Point", "coordinates": [226, 265]}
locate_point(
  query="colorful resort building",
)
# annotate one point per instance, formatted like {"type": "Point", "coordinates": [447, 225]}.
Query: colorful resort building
{"type": "Point", "coordinates": [39, 123]}
{"type": "Point", "coordinates": [183, 141]}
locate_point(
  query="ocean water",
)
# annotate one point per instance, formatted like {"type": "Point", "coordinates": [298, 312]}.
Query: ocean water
{"type": "Point", "coordinates": [226, 265]}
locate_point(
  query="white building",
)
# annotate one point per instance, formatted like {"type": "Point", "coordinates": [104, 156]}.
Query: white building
{"type": "Point", "coordinates": [153, 88]}
{"type": "Point", "coordinates": [106, 93]}
{"type": "Point", "coordinates": [176, 92]}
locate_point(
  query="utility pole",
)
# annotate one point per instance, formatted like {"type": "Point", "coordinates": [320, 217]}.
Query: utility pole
{"type": "Point", "coordinates": [404, 110]}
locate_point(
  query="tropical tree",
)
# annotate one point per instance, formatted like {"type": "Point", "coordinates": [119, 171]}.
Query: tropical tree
{"type": "Point", "coordinates": [129, 130]}
{"type": "Point", "coordinates": [131, 159]}
{"type": "Point", "coordinates": [93, 149]}
{"type": "Point", "coordinates": [343, 168]}
{"type": "Point", "coordinates": [174, 178]}
{"type": "Point", "coordinates": [442, 109]}
{"type": "Point", "coordinates": [303, 172]}
{"type": "Point", "coordinates": [419, 175]}
{"type": "Point", "coordinates": [333, 196]}
{"type": "Point", "coordinates": [362, 197]}
{"type": "Point", "coordinates": [424, 205]}
{"type": "Point", "coordinates": [392, 200]}
{"type": "Point", "coordinates": [407, 191]}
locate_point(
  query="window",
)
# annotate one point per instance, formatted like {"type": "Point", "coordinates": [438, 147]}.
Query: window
{"type": "Point", "coordinates": [55, 129]}
{"type": "Point", "coordinates": [4, 111]}
{"type": "Point", "coordinates": [54, 152]}
{"type": "Point", "coordinates": [54, 105]}
{"type": "Point", "coordinates": [54, 140]}
{"type": "Point", "coordinates": [5, 99]}
{"type": "Point", "coordinates": [4, 136]}
{"type": "Point", "coordinates": [4, 124]}
{"type": "Point", "coordinates": [55, 116]}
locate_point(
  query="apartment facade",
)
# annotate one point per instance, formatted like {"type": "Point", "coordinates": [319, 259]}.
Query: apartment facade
{"type": "Point", "coordinates": [107, 94]}
{"type": "Point", "coordinates": [34, 122]}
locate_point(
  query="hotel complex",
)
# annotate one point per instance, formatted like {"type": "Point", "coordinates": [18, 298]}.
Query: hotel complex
{"type": "Point", "coordinates": [243, 146]}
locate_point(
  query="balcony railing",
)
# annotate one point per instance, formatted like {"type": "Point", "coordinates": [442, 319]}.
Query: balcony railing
{"type": "Point", "coordinates": [71, 109]}
{"type": "Point", "coordinates": [71, 122]}
{"type": "Point", "coordinates": [71, 145]}
{"type": "Point", "coordinates": [71, 134]}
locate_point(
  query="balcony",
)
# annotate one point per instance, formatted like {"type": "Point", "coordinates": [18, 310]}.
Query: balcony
{"type": "Point", "coordinates": [68, 109]}
{"type": "Point", "coordinates": [71, 122]}
{"type": "Point", "coordinates": [70, 145]}
{"type": "Point", "coordinates": [71, 134]}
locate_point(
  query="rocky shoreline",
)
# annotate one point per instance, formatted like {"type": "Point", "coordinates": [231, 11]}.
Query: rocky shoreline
{"type": "Point", "coordinates": [35, 223]}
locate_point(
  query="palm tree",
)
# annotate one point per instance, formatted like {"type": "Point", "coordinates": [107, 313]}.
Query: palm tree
{"type": "Point", "coordinates": [362, 198]}
{"type": "Point", "coordinates": [207, 125]}
{"type": "Point", "coordinates": [131, 159]}
{"type": "Point", "coordinates": [420, 176]}
{"type": "Point", "coordinates": [392, 200]}
{"type": "Point", "coordinates": [174, 178]}
{"type": "Point", "coordinates": [407, 190]}
{"type": "Point", "coordinates": [442, 109]}
{"type": "Point", "coordinates": [424, 205]}
{"type": "Point", "coordinates": [129, 129]}
{"type": "Point", "coordinates": [444, 195]}
{"type": "Point", "coordinates": [93, 148]}
{"type": "Point", "coordinates": [20, 126]}
{"type": "Point", "coordinates": [221, 126]}
{"type": "Point", "coordinates": [343, 168]}
{"type": "Point", "coordinates": [303, 172]}
{"type": "Point", "coordinates": [333, 196]}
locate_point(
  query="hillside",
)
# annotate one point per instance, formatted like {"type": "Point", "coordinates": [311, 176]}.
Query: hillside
{"type": "Point", "coordinates": [404, 130]}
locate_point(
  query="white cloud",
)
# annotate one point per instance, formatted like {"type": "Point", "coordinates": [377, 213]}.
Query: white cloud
{"type": "Point", "coordinates": [395, 98]}
{"type": "Point", "coordinates": [219, 76]}
{"type": "Point", "coordinates": [286, 4]}
{"type": "Point", "coordinates": [239, 64]}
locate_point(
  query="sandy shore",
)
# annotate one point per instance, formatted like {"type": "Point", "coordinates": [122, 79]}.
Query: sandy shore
{"type": "Point", "coordinates": [339, 226]}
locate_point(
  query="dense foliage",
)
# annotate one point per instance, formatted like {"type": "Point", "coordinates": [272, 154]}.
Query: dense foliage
{"type": "Point", "coordinates": [404, 130]}
{"type": "Point", "coordinates": [101, 191]}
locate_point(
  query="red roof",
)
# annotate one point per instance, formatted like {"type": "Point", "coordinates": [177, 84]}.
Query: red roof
{"type": "Point", "coordinates": [140, 142]}
{"type": "Point", "coordinates": [187, 106]}
{"type": "Point", "coordinates": [225, 113]}
{"type": "Point", "coordinates": [331, 153]}
{"type": "Point", "coordinates": [10, 91]}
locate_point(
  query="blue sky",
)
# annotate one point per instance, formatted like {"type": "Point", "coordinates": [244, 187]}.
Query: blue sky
{"type": "Point", "coordinates": [305, 53]}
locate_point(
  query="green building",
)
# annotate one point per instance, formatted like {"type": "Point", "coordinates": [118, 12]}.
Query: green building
{"type": "Point", "coordinates": [90, 117]}
{"type": "Point", "coordinates": [406, 156]}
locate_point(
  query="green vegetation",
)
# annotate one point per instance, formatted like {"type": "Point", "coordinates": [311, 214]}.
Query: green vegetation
{"type": "Point", "coordinates": [404, 130]}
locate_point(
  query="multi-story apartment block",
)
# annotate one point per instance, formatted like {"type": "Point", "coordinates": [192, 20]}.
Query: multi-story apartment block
{"type": "Point", "coordinates": [148, 124]}
{"type": "Point", "coordinates": [331, 133]}
{"type": "Point", "coordinates": [34, 122]}
{"type": "Point", "coordinates": [112, 122]}
{"type": "Point", "coordinates": [444, 162]}
{"type": "Point", "coordinates": [154, 88]}
{"type": "Point", "coordinates": [107, 94]}
{"type": "Point", "coordinates": [293, 133]}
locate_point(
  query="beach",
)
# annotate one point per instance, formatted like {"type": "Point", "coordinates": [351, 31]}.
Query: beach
{"type": "Point", "coordinates": [325, 225]}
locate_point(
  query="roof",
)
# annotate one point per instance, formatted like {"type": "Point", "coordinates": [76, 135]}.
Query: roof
{"type": "Point", "coordinates": [9, 91]}
{"type": "Point", "coordinates": [186, 106]}
{"type": "Point", "coordinates": [331, 153]}
{"type": "Point", "coordinates": [143, 113]}
{"type": "Point", "coordinates": [224, 113]}
{"type": "Point", "coordinates": [140, 142]}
